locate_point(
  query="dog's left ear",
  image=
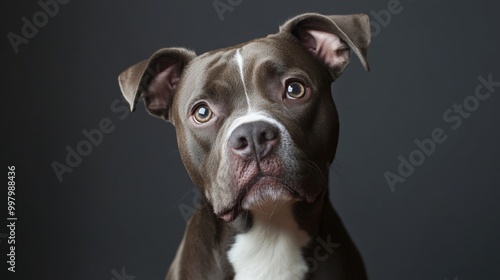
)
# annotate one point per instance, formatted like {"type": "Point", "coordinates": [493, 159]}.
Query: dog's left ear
{"type": "Point", "coordinates": [330, 38]}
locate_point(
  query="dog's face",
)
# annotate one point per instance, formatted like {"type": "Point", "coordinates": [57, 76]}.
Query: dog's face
{"type": "Point", "coordinates": [256, 125]}
{"type": "Point", "coordinates": [255, 122]}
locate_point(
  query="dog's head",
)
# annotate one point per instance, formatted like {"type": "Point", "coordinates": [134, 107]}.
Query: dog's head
{"type": "Point", "coordinates": [255, 122]}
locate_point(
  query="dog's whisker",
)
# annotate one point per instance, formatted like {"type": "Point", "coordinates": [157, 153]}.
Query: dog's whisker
{"type": "Point", "coordinates": [246, 216]}
{"type": "Point", "coordinates": [274, 209]}
{"type": "Point", "coordinates": [316, 167]}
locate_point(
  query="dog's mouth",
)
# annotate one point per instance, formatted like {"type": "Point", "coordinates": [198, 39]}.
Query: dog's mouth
{"type": "Point", "coordinates": [255, 184]}
{"type": "Point", "coordinates": [258, 191]}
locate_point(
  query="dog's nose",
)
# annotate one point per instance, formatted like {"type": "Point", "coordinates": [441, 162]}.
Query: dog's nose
{"type": "Point", "coordinates": [254, 140]}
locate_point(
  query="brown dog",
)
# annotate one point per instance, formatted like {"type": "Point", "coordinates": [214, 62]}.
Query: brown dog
{"type": "Point", "coordinates": [257, 131]}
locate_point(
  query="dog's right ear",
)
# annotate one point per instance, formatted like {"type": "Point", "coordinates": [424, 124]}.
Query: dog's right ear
{"type": "Point", "coordinates": [156, 80]}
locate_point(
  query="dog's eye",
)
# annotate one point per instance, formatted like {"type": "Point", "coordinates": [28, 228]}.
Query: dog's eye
{"type": "Point", "coordinates": [295, 90]}
{"type": "Point", "coordinates": [202, 114]}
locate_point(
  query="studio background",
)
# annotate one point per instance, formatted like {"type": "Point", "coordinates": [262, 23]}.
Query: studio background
{"type": "Point", "coordinates": [117, 214]}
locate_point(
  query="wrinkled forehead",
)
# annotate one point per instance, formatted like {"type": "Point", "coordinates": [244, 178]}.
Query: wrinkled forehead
{"type": "Point", "coordinates": [233, 75]}
{"type": "Point", "coordinates": [213, 74]}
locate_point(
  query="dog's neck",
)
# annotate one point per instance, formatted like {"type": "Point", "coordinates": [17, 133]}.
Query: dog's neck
{"type": "Point", "coordinates": [272, 248]}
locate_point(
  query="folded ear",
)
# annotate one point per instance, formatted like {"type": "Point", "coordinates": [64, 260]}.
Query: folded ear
{"type": "Point", "coordinates": [330, 38]}
{"type": "Point", "coordinates": [155, 80]}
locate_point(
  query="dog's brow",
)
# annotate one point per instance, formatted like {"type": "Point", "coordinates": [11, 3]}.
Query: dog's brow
{"type": "Point", "coordinates": [216, 87]}
{"type": "Point", "coordinates": [272, 68]}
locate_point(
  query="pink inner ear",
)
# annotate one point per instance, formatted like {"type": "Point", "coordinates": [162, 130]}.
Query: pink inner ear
{"type": "Point", "coordinates": [326, 47]}
{"type": "Point", "coordinates": [160, 90]}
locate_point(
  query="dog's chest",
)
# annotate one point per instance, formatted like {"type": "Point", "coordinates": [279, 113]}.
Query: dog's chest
{"type": "Point", "coordinates": [271, 249]}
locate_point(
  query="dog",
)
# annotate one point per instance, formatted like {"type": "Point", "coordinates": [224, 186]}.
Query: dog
{"type": "Point", "coordinates": [257, 130]}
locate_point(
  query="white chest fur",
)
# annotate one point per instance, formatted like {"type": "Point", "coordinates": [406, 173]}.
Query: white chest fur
{"type": "Point", "coordinates": [272, 248]}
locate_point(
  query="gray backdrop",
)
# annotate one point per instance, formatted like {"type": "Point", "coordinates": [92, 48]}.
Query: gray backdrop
{"type": "Point", "coordinates": [120, 212]}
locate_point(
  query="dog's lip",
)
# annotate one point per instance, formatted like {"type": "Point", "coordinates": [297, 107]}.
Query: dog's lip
{"type": "Point", "coordinates": [230, 213]}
